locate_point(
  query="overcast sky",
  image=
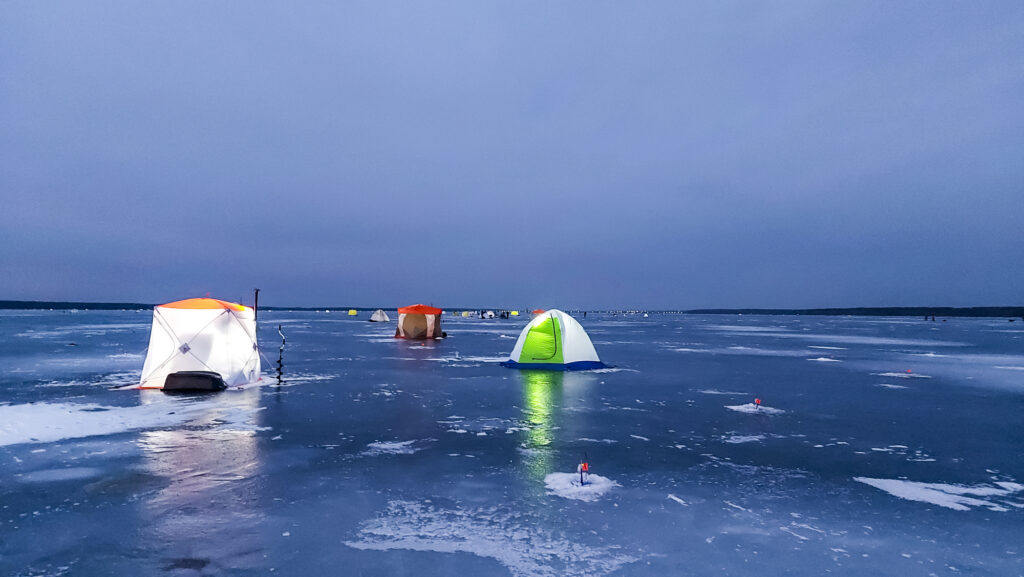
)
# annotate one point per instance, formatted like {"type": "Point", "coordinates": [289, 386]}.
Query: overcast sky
{"type": "Point", "coordinates": [593, 154]}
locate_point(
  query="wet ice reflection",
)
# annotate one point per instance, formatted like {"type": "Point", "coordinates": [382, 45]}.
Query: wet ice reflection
{"type": "Point", "coordinates": [211, 468]}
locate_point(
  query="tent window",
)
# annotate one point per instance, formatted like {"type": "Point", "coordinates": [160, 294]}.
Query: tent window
{"type": "Point", "coordinates": [542, 342]}
{"type": "Point", "coordinates": [415, 327]}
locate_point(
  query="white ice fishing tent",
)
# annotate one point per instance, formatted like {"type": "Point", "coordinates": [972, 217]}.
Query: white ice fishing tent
{"type": "Point", "coordinates": [202, 335]}
{"type": "Point", "coordinates": [379, 316]}
{"type": "Point", "coordinates": [554, 341]}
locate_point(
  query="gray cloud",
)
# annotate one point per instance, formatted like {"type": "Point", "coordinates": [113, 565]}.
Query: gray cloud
{"type": "Point", "coordinates": [570, 154]}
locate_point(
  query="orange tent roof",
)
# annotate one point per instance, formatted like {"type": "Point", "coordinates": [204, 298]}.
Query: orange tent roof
{"type": "Point", "coordinates": [419, 310]}
{"type": "Point", "coordinates": [204, 303]}
{"type": "Point", "coordinates": [538, 312]}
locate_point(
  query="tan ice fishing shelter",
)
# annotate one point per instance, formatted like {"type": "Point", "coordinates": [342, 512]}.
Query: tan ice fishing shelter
{"type": "Point", "coordinates": [419, 322]}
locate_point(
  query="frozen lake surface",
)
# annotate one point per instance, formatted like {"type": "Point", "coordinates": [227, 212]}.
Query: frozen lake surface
{"type": "Point", "coordinates": [882, 446]}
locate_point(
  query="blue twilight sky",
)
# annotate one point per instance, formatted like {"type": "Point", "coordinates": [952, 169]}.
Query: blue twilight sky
{"type": "Point", "coordinates": [572, 154]}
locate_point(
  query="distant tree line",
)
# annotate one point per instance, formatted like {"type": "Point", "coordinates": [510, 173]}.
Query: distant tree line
{"type": "Point", "coordinates": [1005, 312]}
{"type": "Point", "coordinates": [877, 312]}
{"type": "Point", "coordinates": [62, 305]}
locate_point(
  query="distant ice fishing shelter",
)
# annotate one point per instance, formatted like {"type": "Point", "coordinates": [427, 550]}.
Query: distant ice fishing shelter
{"type": "Point", "coordinates": [201, 343]}
{"type": "Point", "coordinates": [419, 322]}
{"type": "Point", "coordinates": [379, 316]}
{"type": "Point", "coordinates": [554, 341]}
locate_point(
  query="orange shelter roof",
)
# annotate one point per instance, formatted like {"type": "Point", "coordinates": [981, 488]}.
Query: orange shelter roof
{"type": "Point", "coordinates": [419, 310]}
{"type": "Point", "coordinates": [204, 303]}
{"type": "Point", "coordinates": [538, 312]}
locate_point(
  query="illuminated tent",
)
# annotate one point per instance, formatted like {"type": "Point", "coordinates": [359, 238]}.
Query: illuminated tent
{"type": "Point", "coordinates": [419, 322]}
{"type": "Point", "coordinates": [379, 316]}
{"type": "Point", "coordinates": [196, 340]}
{"type": "Point", "coordinates": [554, 341]}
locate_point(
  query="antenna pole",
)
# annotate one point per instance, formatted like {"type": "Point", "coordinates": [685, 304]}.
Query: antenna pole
{"type": "Point", "coordinates": [256, 304]}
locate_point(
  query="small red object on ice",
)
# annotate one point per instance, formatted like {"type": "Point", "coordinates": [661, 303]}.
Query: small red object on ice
{"type": "Point", "coordinates": [757, 401]}
{"type": "Point", "coordinates": [584, 467]}
{"type": "Point", "coordinates": [908, 370]}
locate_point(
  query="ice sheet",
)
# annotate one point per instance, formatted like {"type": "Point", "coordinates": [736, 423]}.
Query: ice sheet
{"type": "Point", "coordinates": [748, 490]}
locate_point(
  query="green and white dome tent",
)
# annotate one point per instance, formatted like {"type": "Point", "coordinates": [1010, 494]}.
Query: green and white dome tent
{"type": "Point", "coordinates": [554, 341]}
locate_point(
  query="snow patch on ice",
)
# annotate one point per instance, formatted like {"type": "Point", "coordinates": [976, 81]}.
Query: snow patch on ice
{"type": "Point", "coordinates": [95, 330]}
{"type": "Point", "coordinates": [717, 392]}
{"type": "Point", "coordinates": [735, 506]}
{"type": "Point", "coordinates": [49, 422]}
{"type": "Point", "coordinates": [891, 386]}
{"type": "Point", "coordinates": [65, 474]}
{"type": "Point", "coordinates": [567, 485]}
{"type": "Point", "coordinates": [394, 447]}
{"type": "Point", "coordinates": [793, 533]}
{"type": "Point", "coordinates": [902, 375]}
{"type": "Point", "coordinates": [825, 360]}
{"type": "Point", "coordinates": [298, 379]}
{"type": "Point", "coordinates": [736, 439]}
{"type": "Point", "coordinates": [125, 356]}
{"type": "Point", "coordinates": [589, 440]}
{"type": "Point", "coordinates": [503, 535]}
{"type": "Point", "coordinates": [835, 338]}
{"type": "Point", "coordinates": [530, 451]}
{"type": "Point", "coordinates": [110, 380]}
{"type": "Point", "coordinates": [753, 409]}
{"type": "Point", "coordinates": [957, 497]}
{"type": "Point", "coordinates": [748, 329]}
{"type": "Point", "coordinates": [459, 359]}
{"type": "Point", "coordinates": [742, 350]}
